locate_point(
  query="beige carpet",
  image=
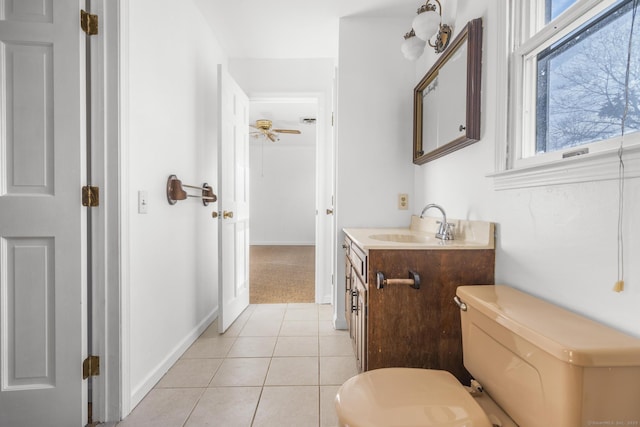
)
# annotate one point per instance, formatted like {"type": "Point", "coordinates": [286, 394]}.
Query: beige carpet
{"type": "Point", "coordinates": [282, 274]}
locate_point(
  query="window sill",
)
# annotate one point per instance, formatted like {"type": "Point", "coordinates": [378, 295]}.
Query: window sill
{"type": "Point", "coordinates": [600, 166]}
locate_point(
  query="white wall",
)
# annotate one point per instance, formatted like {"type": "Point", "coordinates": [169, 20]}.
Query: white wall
{"type": "Point", "coordinates": [172, 282]}
{"type": "Point", "coordinates": [558, 241]}
{"type": "Point", "coordinates": [283, 199]}
{"type": "Point", "coordinates": [375, 101]}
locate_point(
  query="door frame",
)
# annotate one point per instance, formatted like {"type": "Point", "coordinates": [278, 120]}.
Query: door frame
{"type": "Point", "coordinates": [324, 185]}
{"type": "Point", "coordinates": [110, 245]}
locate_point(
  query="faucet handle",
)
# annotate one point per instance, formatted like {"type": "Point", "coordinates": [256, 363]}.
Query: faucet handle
{"type": "Point", "coordinates": [448, 231]}
{"type": "Point", "coordinates": [445, 232]}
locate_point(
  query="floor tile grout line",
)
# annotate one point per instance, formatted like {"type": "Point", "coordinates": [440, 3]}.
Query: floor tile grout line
{"type": "Point", "coordinates": [194, 407]}
{"type": "Point", "coordinates": [255, 411]}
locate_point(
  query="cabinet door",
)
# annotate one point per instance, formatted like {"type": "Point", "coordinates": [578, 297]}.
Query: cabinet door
{"type": "Point", "coordinates": [359, 323]}
{"type": "Point", "coordinates": [353, 307]}
{"type": "Point", "coordinates": [348, 283]}
{"type": "Point", "coordinates": [361, 328]}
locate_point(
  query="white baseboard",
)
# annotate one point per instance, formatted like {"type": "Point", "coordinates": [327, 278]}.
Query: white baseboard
{"type": "Point", "coordinates": [339, 323]}
{"type": "Point", "coordinates": [325, 299]}
{"type": "Point", "coordinates": [141, 390]}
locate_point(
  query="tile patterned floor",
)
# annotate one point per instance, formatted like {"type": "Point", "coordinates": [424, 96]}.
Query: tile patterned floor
{"type": "Point", "coordinates": [277, 365]}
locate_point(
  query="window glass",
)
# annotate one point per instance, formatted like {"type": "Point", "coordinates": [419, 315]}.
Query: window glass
{"type": "Point", "coordinates": [553, 8]}
{"type": "Point", "coordinates": [581, 83]}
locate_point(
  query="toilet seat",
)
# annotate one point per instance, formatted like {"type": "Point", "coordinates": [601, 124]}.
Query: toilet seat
{"type": "Point", "coordinates": [407, 397]}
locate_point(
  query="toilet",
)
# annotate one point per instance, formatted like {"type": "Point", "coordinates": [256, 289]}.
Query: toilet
{"type": "Point", "coordinates": [534, 364]}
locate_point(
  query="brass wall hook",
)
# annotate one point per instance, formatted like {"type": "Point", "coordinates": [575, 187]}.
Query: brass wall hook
{"type": "Point", "coordinates": [175, 191]}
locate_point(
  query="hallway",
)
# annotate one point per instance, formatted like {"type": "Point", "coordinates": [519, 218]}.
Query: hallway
{"type": "Point", "coordinates": [278, 365]}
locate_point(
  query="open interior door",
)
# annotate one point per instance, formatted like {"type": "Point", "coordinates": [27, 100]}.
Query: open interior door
{"type": "Point", "coordinates": [233, 184]}
{"type": "Point", "coordinates": [42, 222]}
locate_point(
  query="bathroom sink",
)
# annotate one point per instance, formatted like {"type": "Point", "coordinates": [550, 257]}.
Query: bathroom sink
{"type": "Point", "coordinates": [402, 238]}
{"type": "Point", "coordinates": [421, 235]}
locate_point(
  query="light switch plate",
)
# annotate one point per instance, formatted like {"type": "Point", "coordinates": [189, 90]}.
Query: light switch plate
{"type": "Point", "coordinates": [143, 202]}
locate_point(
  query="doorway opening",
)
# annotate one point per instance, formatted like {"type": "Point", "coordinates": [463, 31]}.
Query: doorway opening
{"type": "Point", "coordinates": [283, 200]}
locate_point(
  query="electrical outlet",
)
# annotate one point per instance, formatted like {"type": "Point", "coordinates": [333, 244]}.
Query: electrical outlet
{"type": "Point", "coordinates": [143, 202]}
{"type": "Point", "coordinates": [403, 201]}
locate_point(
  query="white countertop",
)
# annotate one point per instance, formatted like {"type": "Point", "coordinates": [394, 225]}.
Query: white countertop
{"type": "Point", "coordinates": [420, 235]}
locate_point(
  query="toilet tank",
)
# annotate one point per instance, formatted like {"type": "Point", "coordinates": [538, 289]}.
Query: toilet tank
{"type": "Point", "coordinates": [546, 366]}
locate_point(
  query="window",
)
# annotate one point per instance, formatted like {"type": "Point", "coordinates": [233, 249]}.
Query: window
{"type": "Point", "coordinates": [580, 88]}
{"type": "Point", "coordinates": [553, 8]}
{"type": "Point", "coordinates": [567, 92]}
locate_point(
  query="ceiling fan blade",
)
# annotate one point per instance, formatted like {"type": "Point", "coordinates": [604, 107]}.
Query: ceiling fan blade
{"type": "Point", "coordinates": [271, 136]}
{"type": "Point", "coordinates": [292, 131]}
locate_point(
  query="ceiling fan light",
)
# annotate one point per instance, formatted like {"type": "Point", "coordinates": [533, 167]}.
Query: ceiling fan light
{"type": "Point", "coordinates": [412, 47]}
{"type": "Point", "coordinates": [426, 22]}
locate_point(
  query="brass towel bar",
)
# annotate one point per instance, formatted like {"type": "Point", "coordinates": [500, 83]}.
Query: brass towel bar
{"type": "Point", "coordinates": [175, 191]}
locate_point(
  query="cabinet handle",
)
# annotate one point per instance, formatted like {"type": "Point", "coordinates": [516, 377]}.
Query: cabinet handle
{"type": "Point", "coordinates": [354, 307]}
{"type": "Point", "coordinates": [345, 246]}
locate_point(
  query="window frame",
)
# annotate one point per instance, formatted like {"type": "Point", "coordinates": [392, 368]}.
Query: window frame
{"type": "Point", "coordinates": [525, 37]}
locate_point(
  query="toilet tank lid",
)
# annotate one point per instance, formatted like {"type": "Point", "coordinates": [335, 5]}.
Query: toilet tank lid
{"type": "Point", "coordinates": [565, 335]}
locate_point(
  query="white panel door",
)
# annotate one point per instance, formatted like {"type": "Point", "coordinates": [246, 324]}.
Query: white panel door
{"type": "Point", "coordinates": [42, 225]}
{"type": "Point", "coordinates": [233, 182]}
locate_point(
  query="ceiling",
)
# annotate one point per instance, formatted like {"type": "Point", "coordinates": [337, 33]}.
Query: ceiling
{"type": "Point", "coordinates": [291, 28]}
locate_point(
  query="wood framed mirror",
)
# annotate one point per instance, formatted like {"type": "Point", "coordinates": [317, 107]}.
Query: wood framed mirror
{"type": "Point", "coordinates": [446, 102]}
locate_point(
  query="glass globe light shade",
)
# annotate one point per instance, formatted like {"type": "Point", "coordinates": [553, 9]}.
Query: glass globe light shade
{"type": "Point", "coordinates": [426, 24]}
{"type": "Point", "coordinates": [412, 47]}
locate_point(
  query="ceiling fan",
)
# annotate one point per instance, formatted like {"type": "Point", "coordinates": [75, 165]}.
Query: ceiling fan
{"type": "Point", "coordinates": [263, 128]}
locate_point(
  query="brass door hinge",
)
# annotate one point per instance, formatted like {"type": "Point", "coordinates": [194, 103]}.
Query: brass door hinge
{"type": "Point", "coordinates": [89, 23]}
{"type": "Point", "coordinates": [90, 196]}
{"type": "Point", "coordinates": [91, 367]}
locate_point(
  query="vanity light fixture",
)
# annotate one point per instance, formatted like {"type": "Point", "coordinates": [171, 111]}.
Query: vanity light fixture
{"type": "Point", "coordinates": [428, 22]}
{"type": "Point", "coordinates": [412, 46]}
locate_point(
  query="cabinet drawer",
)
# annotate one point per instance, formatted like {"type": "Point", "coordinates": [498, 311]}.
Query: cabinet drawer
{"type": "Point", "coordinates": [358, 259]}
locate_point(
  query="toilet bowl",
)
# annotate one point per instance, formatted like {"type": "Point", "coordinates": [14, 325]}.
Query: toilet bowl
{"type": "Point", "coordinates": [539, 366]}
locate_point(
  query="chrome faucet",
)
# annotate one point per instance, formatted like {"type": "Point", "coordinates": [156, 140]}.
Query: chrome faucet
{"type": "Point", "coordinates": [445, 231]}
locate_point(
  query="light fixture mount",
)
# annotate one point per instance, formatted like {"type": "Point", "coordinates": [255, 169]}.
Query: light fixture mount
{"type": "Point", "coordinates": [442, 39]}
{"type": "Point", "coordinates": [427, 23]}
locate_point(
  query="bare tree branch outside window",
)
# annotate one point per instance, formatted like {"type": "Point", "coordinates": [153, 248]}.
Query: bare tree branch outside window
{"type": "Point", "coordinates": [581, 84]}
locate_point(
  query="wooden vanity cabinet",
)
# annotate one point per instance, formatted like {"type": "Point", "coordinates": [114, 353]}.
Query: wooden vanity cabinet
{"type": "Point", "coordinates": [356, 300]}
{"type": "Point", "coordinates": [399, 326]}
